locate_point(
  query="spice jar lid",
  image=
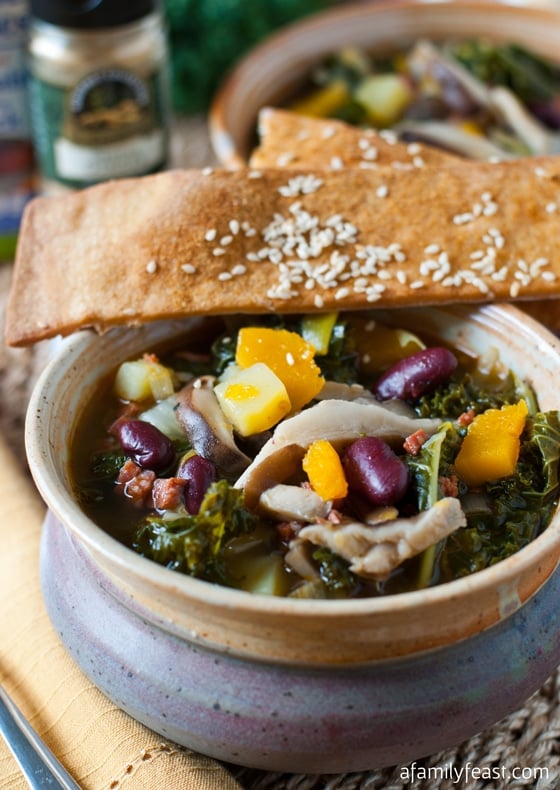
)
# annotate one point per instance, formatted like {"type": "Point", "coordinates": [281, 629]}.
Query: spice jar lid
{"type": "Point", "coordinates": [89, 14]}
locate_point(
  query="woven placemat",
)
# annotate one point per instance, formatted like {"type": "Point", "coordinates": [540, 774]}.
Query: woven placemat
{"type": "Point", "coordinates": [524, 747]}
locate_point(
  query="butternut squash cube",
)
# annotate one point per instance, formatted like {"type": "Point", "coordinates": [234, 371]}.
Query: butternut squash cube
{"type": "Point", "coordinates": [324, 469]}
{"type": "Point", "coordinates": [491, 447]}
{"type": "Point", "coordinates": [253, 399]}
{"type": "Point", "coordinates": [288, 355]}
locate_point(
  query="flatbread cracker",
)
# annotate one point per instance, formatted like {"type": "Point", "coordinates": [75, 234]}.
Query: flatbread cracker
{"type": "Point", "coordinates": [290, 140]}
{"type": "Point", "coordinates": [196, 242]}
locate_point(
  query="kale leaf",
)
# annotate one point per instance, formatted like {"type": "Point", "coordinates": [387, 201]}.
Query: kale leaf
{"type": "Point", "coordinates": [193, 544]}
{"type": "Point", "coordinates": [518, 507]}
{"type": "Point", "coordinates": [459, 395]}
{"type": "Point", "coordinates": [335, 573]}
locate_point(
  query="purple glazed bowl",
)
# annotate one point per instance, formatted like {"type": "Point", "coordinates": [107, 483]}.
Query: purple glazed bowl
{"type": "Point", "coordinates": [287, 684]}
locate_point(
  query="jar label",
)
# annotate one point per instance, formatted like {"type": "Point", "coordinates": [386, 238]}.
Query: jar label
{"type": "Point", "coordinates": [110, 124]}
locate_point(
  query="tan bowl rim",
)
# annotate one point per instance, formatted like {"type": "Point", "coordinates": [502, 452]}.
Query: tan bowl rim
{"type": "Point", "coordinates": [222, 141]}
{"type": "Point", "coordinates": [66, 510]}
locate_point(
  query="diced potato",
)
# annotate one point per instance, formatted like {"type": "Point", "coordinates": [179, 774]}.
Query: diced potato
{"type": "Point", "coordinates": [288, 355]}
{"type": "Point", "coordinates": [491, 447]}
{"type": "Point", "coordinates": [265, 576]}
{"type": "Point", "coordinates": [317, 330]}
{"type": "Point", "coordinates": [323, 467]}
{"type": "Point", "coordinates": [141, 379]}
{"type": "Point", "coordinates": [385, 97]}
{"type": "Point", "coordinates": [324, 101]}
{"type": "Point", "coordinates": [253, 400]}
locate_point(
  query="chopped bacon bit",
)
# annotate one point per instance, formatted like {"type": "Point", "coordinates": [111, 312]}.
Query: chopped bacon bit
{"type": "Point", "coordinates": [334, 516]}
{"type": "Point", "coordinates": [466, 417]}
{"type": "Point", "coordinates": [150, 358]}
{"type": "Point", "coordinates": [135, 483]}
{"type": "Point", "coordinates": [413, 443]}
{"type": "Point", "coordinates": [127, 471]}
{"type": "Point", "coordinates": [449, 485]}
{"type": "Point", "coordinates": [287, 531]}
{"type": "Point", "coordinates": [167, 492]}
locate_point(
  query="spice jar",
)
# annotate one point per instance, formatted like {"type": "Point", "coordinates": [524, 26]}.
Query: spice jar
{"type": "Point", "coordinates": [17, 169]}
{"type": "Point", "coordinates": [98, 90]}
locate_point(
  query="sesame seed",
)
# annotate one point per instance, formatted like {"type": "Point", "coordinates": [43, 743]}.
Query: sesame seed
{"type": "Point", "coordinates": [255, 174]}
{"type": "Point", "coordinates": [540, 172]}
{"type": "Point", "coordinates": [234, 226]}
{"type": "Point", "coordinates": [218, 251]}
{"type": "Point", "coordinates": [290, 358]}
{"type": "Point", "coordinates": [551, 208]}
{"type": "Point", "coordinates": [223, 276]}
{"type": "Point", "coordinates": [318, 301]}
{"type": "Point", "coordinates": [414, 149]}
{"type": "Point", "coordinates": [382, 191]}
{"type": "Point", "coordinates": [211, 234]}
{"type": "Point", "coordinates": [285, 158]}
{"type": "Point", "coordinates": [416, 284]}
{"type": "Point", "coordinates": [418, 161]}
{"type": "Point", "coordinates": [188, 268]}
{"type": "Point", "coordinates": [238, 270]}
{"type": "Point", "coordinates": [151, 267]}
{"type": "Point", "coordinates": [207, 171]}
{"type": "Point", "coordinates": [225, 240]}
{"type": "Point", "coordinates": [337, 163]}
{"type": "Point", "coordinates": [328, 132]}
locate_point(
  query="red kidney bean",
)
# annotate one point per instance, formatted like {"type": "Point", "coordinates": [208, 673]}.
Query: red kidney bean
{"type": "Point", "coordinates": [375, 471]}
{"type": "Point", "coordinates": [199, 473]}
{"type": "Point", "coordinates": [146, 444]}
{"type": "Point", "coordinates": [416, 375]}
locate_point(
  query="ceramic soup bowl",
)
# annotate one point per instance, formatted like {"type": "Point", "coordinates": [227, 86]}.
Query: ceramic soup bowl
{"type": "Point", "coordinates": [272, 72]}
{"type": "Point", "coordinates": [291, 684]}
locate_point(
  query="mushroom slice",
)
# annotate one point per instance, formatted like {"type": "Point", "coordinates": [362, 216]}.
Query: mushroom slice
{"type": "Point", "coordinates": [210, 434]}
{"type": "Point", "coordinates": [338, 421]}
{"type": "Point", "coordinates": [373, 552]}
{"type": "Point", "coordinates": [427, 60]}
{"type": "Point", "coordinates": [293, 503]}
{"type": "Point", "coordinates": [452, 138]}
{"type": "Point", "coordinates": [533, 133]}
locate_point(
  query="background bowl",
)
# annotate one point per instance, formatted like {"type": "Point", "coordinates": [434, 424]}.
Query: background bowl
{"type": "Point", "coordinates": [272, 72]}
{"type": "Point", "coordinates": [287, 684]}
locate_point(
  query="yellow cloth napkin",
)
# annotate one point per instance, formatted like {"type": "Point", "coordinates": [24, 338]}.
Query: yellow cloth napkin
{"type": "Point", "coordinates": [101, 746]}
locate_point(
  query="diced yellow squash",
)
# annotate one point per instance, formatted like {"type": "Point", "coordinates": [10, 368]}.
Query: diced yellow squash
{"type": "Point", "coordinates": [317, 330]}
{"type": "Point", "coordinates": [385, 97]}
{"type": "Point", "coordinates": [141, 379]}
{"type": "Point", "coordinates": [323, 467]}
{"type": "Point", "coordinates": [288, 355]}
{"type": "Point", "coordinates": [380, 346]}
{"type": "Point", "coordinates": [253, 400]}
{"type": "Point", "coordinates": [491, 447]}
{"type": "Point", "coordinates": [323, 102]}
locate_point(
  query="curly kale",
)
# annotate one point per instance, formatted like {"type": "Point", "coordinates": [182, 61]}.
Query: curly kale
{"type": "Point", "coordinates": [335, 574]}
{"type": "Point", "coordinates": [194, 544]}
{"type": "Point", "coordinates": [340, 363]}
{"type": "Point", "coordinates": [516, 508]}
{"type": "Point", "coordinates": [529, 76]}
{"type": "Point", "coordinates": [450, 400]}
